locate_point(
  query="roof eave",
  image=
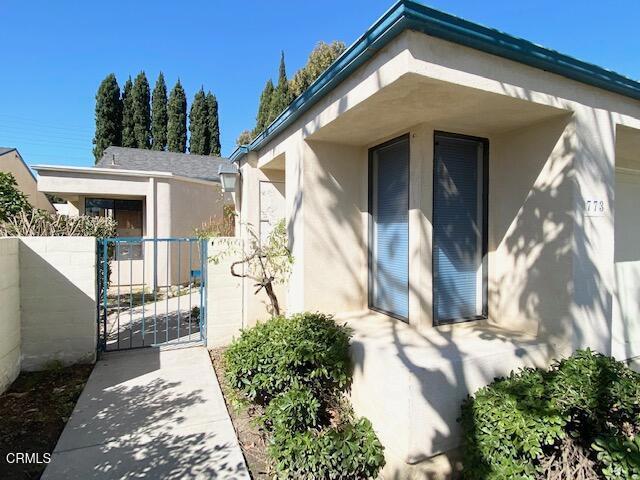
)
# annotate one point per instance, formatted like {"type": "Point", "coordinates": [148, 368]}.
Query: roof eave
{"type": "Point", "coordinates": [97, 171]}
{"type": "Point", "coordinates": [408, 14]}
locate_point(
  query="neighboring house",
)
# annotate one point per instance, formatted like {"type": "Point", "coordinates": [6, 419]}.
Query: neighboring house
{"type": "Point", "coordinates": [150, 194]}
{"type": "Point", "coordinates": [12, 162]}
{"type": "Point", "coordinates": [468, 202]}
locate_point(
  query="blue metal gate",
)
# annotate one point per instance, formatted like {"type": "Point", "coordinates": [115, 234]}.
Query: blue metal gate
{"type": "Point", "coordinates": [151, 291]}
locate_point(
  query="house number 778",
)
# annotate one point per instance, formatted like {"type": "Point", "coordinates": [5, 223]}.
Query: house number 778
{"type": "Point", "coordinates": [594, 208]}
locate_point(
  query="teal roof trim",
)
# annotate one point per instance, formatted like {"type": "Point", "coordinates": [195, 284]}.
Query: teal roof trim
{"type": "Point", "coordinates": [410, 15]}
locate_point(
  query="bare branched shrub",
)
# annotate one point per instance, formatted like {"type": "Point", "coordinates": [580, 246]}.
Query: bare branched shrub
{"type": "Point", "coordinates": [267, 263]}
{"type": "Point", "coordinates": [40, 223]}
{"type": "Point", "coordinates": [569, 461]}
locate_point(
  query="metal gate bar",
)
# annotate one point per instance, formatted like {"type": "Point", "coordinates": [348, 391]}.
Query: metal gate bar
{"type": "Point", "coordinates": [110, 255]}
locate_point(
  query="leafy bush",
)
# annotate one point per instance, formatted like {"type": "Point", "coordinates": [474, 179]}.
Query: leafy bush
{"type": "Point", "coordinates": [596, 390]}
{"type": "Point", "coordinates": [307, 349]}
{"type": "Point", "coordinates": [620, 457]}
{"type": "Point", "coordinates": [12, 199]}
{"type": "Point", "coordinates": [300, 367]}
{"type": "Point", "coordinates": [507, 424]}
{"type": "Point", "coordinates": [40, 223]}
{"type": "Point", "coordinates": [347, 451]}
{"type": "Point", "coordinates": [512, 424]}
{"type": "Point", "coordinates": [295, 410]}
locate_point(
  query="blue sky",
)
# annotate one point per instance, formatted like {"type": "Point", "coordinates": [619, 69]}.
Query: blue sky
{"type": "Point", "coordinates": [55, 53]}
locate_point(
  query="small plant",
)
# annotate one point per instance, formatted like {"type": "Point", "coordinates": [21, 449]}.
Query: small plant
{"type": "Point", "coordinates": [195, 313]}
{"type": "Point", "coordinates": [307, 349]}
{"type": "Point", "coordinates": [350, 451]}
{"type": "Point", "coordinates": [585, 409]}
{"type": "Point", "coordinates": [267, 263]}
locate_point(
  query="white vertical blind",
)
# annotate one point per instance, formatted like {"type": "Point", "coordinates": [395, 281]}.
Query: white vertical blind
{"type": "Point", "coordinates": [458, 228]}
{"type": "Point", "coordinates": [390, 228]}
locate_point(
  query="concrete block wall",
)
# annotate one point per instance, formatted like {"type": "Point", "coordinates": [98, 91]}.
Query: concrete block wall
{"type": "Point", "coordinates": [58, 300]}
{"type": "Point", "coordinates": [224, 293]}
{"type": "Point", "coordinates": [9, 312]}
{"type": "Point", "coordinates": [47, 303]}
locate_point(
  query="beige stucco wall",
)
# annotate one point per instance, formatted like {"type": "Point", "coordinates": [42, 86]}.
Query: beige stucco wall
{"type": "Point", "coordinates": [256, 307]}
{"type": "Point", "coordinates": [191, 205]}
{"type": "Point", "coordinates": [552, 284]}
{"type": "Point", "coordinates": [9, 312]}
{"type": "Point", "coordinates": [11, 162]}
{"type": "Point", "coordinates": [173, 207]}
{"type": "Point", "coordinates": [224, 292]}
{"type": "Point", "coordinates": [58, 300]}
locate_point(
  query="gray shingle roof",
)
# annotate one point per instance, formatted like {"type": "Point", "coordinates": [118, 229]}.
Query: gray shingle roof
{"type": "Point", "coordinates": [195, 166]}
{"type": "Point", "coordinates": [4, 150]}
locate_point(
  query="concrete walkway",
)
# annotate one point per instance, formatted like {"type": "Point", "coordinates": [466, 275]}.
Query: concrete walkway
{"type": "Point", "coordinates": [153, 413]}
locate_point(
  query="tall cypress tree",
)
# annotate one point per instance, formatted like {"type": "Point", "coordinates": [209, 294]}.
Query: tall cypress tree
{"type": "Point", "coordinates": [282, 95]}
{"type": "Point", "coordinates": [128, 139]}
{"type": "Point", "coordinates": [108, 116]}
{"type": "Point", "coordinates": [198, 125]}
{"type": "Point", "coordinates": [264, 107]}
{"type": "Point", "coordinates": [213, 124]}
{"type": "Point", "coordinates": [177, 120]}
{"type": "Point", "coordinates": [141, 111]}
{"type": "Point", "coordinates": [159, 115]}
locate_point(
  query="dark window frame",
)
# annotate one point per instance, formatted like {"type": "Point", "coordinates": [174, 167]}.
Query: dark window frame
{"type": "Point", "coordinates": [485, 228]}
{"type": "Point", "coordinates": [404, 137]}
{"type": "Point", "coordinates": [122, 204]}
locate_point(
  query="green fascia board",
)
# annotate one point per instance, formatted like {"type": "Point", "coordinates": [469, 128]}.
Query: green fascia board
{"type": "Point", "coordinates": [411, 15]}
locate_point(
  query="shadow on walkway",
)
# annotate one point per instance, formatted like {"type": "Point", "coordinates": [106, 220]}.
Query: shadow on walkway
{"type": "Point", "coordinates": [150, 413]}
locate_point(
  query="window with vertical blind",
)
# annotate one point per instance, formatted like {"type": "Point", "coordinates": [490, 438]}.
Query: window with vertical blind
{"type": "Point", "coordinates": [389, 227]}
{"type": "Point", "coordinates": [459, 228]}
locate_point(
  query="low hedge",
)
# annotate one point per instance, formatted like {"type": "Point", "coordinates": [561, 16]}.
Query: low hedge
{"type": "Point", "coordinates": [299, 368]}
{"type": "Point", "coordinates": [515, 423]}
{"type": "Point", "coordinates": [348, 451]}
{"type": "Point", "coordinates": [301, 350]}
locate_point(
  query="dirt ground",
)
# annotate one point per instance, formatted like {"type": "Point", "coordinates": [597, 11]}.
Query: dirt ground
{"type": "Point", "coordinates": [251, 437]}
{"type": "Point", "coordinates": [33, 413]}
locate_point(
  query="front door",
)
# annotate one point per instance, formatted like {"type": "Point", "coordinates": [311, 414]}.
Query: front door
{"type": "Point", "coordinates": [459, 228]}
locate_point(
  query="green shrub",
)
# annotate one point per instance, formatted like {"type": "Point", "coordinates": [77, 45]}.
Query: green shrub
{"type": "Point", "coordinates": [307, 349]}
{"type": "Point", "coordinates": [293, 411]}
{"type": "Point", "coordinates": [511, 424]}
{"type": "Point", "coordinates": [348, 451]}
{"type": "Point", "coordinates": [507, 424]}
{"type": "Point", "coordinates": [620, 457]}
{"type": "Point", "coordinates": [298, 367]}
{"type": "Point", "coordinates": [597, 391]}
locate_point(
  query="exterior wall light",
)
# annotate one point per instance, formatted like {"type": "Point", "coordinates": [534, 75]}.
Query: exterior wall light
{"type": "Point", "coordinates": [228, 177]}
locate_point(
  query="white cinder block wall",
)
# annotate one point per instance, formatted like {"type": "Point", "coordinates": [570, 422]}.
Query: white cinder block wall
{"type": "Point", "coordinates": [224, 292]}
{"type": "Point", "coordinates": [58, 300]}
{"type": "Point", "coordinates": [47, 303]}
{"type": "Point", "coordinates": [9, 312]}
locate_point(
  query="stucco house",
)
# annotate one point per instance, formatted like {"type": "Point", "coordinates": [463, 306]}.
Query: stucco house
{"type": "Point", "coordinates": [467, 202]}
{"type": "Point", "coordinates": [12, 162]}
{"type": "Point", "coordinates": [150, 194]}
